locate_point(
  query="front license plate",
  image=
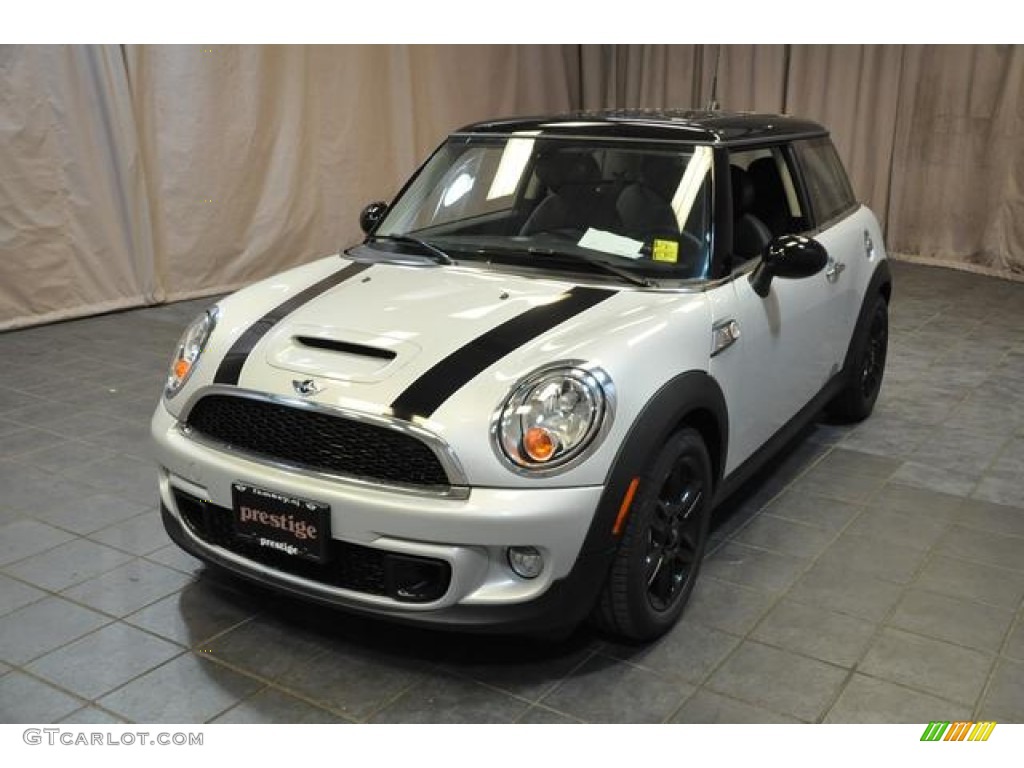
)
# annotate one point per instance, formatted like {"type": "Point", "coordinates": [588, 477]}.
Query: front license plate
{"type": "Point", "coordinates": [296, 527]}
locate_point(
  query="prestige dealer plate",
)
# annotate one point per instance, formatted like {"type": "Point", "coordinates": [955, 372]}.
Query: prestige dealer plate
{"type": "Point", "coordinates": [293, 526]}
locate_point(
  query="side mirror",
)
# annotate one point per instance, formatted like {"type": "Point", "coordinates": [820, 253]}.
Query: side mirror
{"type": "Point", "coordinates": [371, 215]}
{"type": "Point", "coordinates": [789, 256]}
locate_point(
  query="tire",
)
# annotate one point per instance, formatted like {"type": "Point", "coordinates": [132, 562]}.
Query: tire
{"type": "Point", "coordinates": [659, 557]}
{"type": "Point", "coordinates": [857, 399]}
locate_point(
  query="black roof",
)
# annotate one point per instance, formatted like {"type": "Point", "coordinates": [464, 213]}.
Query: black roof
{"type": "Point", "coordinates": [692, 126]}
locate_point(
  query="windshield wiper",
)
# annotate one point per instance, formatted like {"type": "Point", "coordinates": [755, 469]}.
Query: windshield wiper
{"type": "Point", "coordinates": [436, 253]}
{"type": "Point", "coordinates": [611, 269]}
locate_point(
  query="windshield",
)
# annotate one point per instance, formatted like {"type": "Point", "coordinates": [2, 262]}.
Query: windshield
{"type": "Point", "coordinates": [621, 208]}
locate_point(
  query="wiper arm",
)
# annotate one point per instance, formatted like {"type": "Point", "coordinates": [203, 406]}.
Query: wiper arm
{"type": "Point", "coordinates": [438, 255]}
{"type": "Point", "coordinates": [611, 269]}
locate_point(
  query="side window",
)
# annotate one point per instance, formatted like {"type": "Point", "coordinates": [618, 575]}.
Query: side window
{"type": "Point", "coordinates": [827, 186]}
{"type": "Point", "coordinates": [765, 203]}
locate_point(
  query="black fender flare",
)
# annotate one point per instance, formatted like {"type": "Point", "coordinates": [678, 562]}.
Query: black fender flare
{"type": "Point", "coordinates": [880, 283]}
{"type": "Point", "coordinates": [693, 397]}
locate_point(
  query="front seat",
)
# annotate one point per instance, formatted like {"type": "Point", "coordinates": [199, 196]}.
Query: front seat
{"type": "Point", "coordinates": [644, 206]}
{"type": "Point", "coordinates": [573, 201]}
{"type": "Point", "coordinates": [750, 235]}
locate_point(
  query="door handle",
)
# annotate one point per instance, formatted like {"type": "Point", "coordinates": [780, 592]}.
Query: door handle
{"type": "Point", "coordinates": [834, 270]}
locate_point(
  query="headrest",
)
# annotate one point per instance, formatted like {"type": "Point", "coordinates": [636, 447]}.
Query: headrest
{"type": "Point", "coordinates": [742, 191]}
{"type": "Point", "coordinates": [661, 173]}
{"type": "Point", "coordinates": [558, 168]}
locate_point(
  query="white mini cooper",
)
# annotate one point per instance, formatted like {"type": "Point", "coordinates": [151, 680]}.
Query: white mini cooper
{"type": "Point", "coordinates": [518, 401]}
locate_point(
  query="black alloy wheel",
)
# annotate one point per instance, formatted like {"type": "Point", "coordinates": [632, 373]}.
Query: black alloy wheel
{"type": "Point", "coordinates": [867, 367]}
{"type": "Point", "coordinates": [659, 556]}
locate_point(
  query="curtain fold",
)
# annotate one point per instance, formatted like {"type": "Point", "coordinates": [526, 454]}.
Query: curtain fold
{"type": "Point", "coordinates": [140, 174]}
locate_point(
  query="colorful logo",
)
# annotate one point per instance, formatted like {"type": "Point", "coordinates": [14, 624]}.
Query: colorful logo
{"type": "Point", "coordinates": [958, 731]}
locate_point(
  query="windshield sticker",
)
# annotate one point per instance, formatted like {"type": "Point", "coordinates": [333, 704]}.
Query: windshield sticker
{"type": "Point", "coordinates": [665, 250]}
{"type": "Point", "coordinates": [599, 240]}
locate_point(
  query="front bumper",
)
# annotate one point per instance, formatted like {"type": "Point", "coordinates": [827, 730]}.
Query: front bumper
{"type": "Point", "coordinates": [471, 535]}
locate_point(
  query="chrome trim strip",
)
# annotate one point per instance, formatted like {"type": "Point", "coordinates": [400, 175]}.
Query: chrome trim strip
{"type": "Point", "coordinates": [459, 488]}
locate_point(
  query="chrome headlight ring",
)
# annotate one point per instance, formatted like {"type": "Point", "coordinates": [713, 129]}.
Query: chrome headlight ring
{"type": "Point", "coordinates": [189, 350]}
{"type": "Point", "coordinates": [553, 418]}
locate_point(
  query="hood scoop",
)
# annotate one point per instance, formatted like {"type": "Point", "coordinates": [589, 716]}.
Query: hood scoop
{"type": "Point", "coordinates": [343, 354]}
{"type": "Point", "coordinates": [347, 347]}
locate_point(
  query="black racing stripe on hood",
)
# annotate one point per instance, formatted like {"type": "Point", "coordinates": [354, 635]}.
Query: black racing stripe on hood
{"type": "Point", "coordinates": [429, 391]}
{"type": "Point", "coordinates": [231, 366]}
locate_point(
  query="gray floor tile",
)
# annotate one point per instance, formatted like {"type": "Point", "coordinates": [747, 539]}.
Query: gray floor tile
{"type": "Point", "coordinates": [830, 514]}
{"type": "Point", "coordinates": [354, 680]}
{"type": "Point", "coordinates": [537, 715]}
{"type": "Point", "coordinates": [815, 631]}
{"type": "Point", "coordinates": [175, 557]}
{"type": "Point", "coordinates": [24, 699]}
{"type": "Point", "coordinates": [1004, 699]}
{"type": "Point", "coordinates": [84, 426]}
{"type": "Point", "coordinates": [186, 690]}
{"type": "Point", "coordinates": [14, 594]}
{"type": "Point", "coordinates": [1015, 642]}
{"type": "Point", "coordinates": [198, 612]}
{"type": "Point", "coordinates": [139, 535]}
{"type": "Point", "coordinates": [63, 455]}
{"type": "Point", "coordinates": [1000, 488]}
{"type": "Point", "coordinates": [68, 564]}
{"type": "Point", "coordinates": [271, 706]}
{"type": "Point", "coordinates": [960, 451]}
{"type": "Point", "coordinates": [710, 707]}
{"type": "Point", "coordinates": [42, 626]}
{"type": "Point", "coordinates": [689, 651]}
{"type": "Point", "coordinates": [778, 680]}
{"type": "Point", "coordinates": [445, 699]}
{"type": "Point", "coordinates": [935, 667]}
{"type": "Point", "coordinates": [873, 555]}
{"type": "Point", "coordinates": [974, 625]}
{"type": "Point", "coordinates": [972, 581]}
{"type": "Point", "coordinates": [11, 400]}
{"type": "Point", "coordinates": [898, 497]}
{"type": "Point", "coordinates": [983, 547]}
{"type": "Point", "coordinates": [25, 442]}
{"type": "Point", "coordinates": [526, 670]}
{"type": "Point", "coordinates": [893, 437]}
{"type": "Point", "coordinates": [121, 475]}
{"type": "Point", "coordinates": [833, 586]}
{"type": "Point", "coordinates": [908, 529]}
{"type": "Point", "coordinates": [127, 438]}
{"type": "Point", "coordinates": [869, 700]}
{"type": "Point", "coordinates": [128, 587]}
{"type": "Point", "coordinates": [92, 716]}
{"type": "Point", "coordinates": [845, 461]}
{"type": "Point", "coordinates": [757, 568]}
{"type": "Point", "coordinates": [103, 660]}
{"type": "Point", "coordinates": [608, 691]}
{"type": "Point", "coordinates": [997, 518]}
{"type": "Point", "coordinates": [267, 648]}
{"type": "Point", "coordinates": [24, 538]}
{"type": "Point", "coordinates": [726, 606]}
{"type": "Point", "coordinates": [831, 484]}
{"type": "Point", "coordinates": [86, 514]}
{"type": "Point", "coordinates": [936, 479]}
{"type": "Point", "coordinates": [785, 536]}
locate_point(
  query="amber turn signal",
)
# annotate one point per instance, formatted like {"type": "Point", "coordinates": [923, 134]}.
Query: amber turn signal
{"type": "Point", "coordinates": [538, 444]}
{"type": "Point", "coordinates": [181, 368]}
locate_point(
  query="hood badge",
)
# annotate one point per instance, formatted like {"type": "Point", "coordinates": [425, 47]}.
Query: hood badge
{"type": "Point", "coordinates": [306, 387]}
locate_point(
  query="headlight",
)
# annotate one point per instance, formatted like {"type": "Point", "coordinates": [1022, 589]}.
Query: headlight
{"type": "Point", "coordinates": [190, 347]}
{"type": "Point", "coordinates": [552, 416]}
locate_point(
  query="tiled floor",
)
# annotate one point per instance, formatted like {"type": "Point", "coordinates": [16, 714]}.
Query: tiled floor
{"type": "Point", "coordinates": [875, 574]}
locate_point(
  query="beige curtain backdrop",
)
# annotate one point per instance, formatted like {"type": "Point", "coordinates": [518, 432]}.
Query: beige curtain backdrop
{"type": "Point", "coordinates": [143, 174]}
{"type": "Point", "coordinates": [133, 175]}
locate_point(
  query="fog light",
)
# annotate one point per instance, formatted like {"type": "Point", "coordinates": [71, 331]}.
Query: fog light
{"type": "Point", "coordinates": [526, 561]}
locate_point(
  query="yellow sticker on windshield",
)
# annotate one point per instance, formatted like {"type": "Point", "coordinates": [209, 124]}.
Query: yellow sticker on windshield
{"type": "Point", "coordinates": [666, 250]}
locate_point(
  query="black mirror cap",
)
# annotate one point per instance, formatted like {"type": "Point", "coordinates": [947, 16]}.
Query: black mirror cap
{"type": "Point", "coordinates": [372, 215]}
{"type": "Point", "coordinates": [789, 256]}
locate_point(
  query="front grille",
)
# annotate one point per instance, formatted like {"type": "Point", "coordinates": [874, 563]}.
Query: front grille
{"type": "Point", "coordinates": [405, 578]}
{"type": "Point", "coordinates": [317, 440]}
